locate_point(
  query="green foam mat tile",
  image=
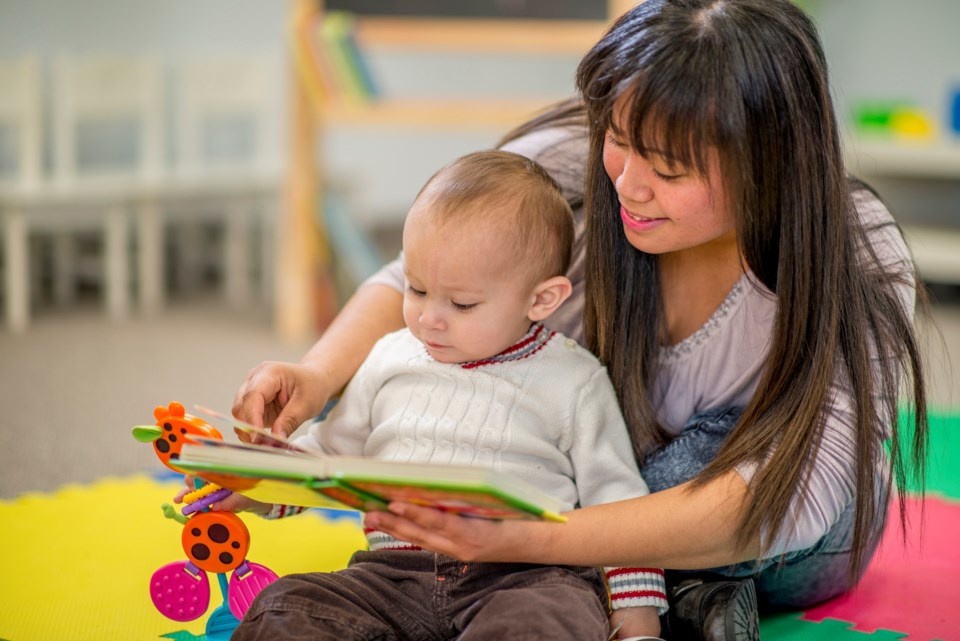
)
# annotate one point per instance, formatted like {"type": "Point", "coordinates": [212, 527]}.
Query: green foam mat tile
{"type": "Point", "coordinates": [943, 462]}
{"type": "Point", "coordinates": [790, 627]}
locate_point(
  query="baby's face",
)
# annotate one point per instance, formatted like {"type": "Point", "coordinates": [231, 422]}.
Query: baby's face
{"type": "Point", "coordinates": [466, 297]}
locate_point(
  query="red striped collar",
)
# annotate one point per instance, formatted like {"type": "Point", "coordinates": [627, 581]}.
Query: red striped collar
{"type": "Point", "coordinates": [531, 343]}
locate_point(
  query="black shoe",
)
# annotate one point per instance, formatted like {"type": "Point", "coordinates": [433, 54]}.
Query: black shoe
{"type": "Point", "coordinates": [714, 611]}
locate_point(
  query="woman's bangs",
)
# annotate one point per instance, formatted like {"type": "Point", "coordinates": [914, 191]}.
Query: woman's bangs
{"type": "Point", "coordinates": [676, 122]}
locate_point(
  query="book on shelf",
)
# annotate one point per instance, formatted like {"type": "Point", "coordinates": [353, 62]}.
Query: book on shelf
{"type": "Point", "coordinates": [331, 64]}
{"type": "Point", "coordinates": [294, 476]}
{"type": "Point", "coordinates": [338, 31]}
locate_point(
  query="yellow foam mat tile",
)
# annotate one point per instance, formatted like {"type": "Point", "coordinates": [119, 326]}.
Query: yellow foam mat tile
{"type": "Point", "coordinates": [76, 563]}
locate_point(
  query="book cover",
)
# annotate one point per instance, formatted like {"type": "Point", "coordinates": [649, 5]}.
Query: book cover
{"type": "Point", "coordinates": [335, 41]}
{"type": "Point", "coordinates": [311, 479]}
{"type": "Point", "coordinates": [344, 28]}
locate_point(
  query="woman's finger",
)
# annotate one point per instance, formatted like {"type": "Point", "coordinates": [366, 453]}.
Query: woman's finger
{"type": "Point", "coordinates": [443, 532]}
{"type": "Point", "coordinates": [407, 530]}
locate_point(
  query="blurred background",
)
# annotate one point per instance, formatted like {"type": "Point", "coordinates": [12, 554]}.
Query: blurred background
{"type": "Point", "coordinates": [189, 188]}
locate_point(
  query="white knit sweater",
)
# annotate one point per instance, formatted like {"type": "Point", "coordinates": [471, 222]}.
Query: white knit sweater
{"type": "Point", "coordinates": [543, 411]}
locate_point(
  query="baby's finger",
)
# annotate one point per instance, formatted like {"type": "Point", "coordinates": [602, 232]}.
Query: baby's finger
{"type": "Point", "coordinates": [189, 487]}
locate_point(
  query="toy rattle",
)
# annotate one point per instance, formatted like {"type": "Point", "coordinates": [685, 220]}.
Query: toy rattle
{"type": "Point", "coordinates": [215, 542]}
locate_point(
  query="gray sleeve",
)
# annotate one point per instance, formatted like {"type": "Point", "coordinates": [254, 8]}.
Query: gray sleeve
{"type": "Point", "coordinates": [390, 275]}
{"type": "Point", "coordinates": [562, 152]}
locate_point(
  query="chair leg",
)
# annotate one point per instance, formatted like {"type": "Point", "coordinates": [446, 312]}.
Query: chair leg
{"type": "Point", "coordinates": [63, 263]}
{"type": "Point", "coordinates": [150, 257]}
{"type": "Point", "coordinates": [237, 255]}
{"type": "Point", "coordinates": [116, 264]}
{"type": "Point", "coordinates": [268, 251]}
{"type": "Point", "coordinates": [16, 274]}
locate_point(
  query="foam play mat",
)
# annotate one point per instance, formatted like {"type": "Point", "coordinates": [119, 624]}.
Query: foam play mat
{"type": "Point", "coordinates": [77, 563]}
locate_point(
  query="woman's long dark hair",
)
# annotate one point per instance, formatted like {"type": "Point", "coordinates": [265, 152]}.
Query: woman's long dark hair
{"type": "Point", "coordinates": [748, 77]}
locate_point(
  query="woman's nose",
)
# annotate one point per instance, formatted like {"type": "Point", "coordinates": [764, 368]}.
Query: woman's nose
{"type": "Point", "coordinates": [633, 183]}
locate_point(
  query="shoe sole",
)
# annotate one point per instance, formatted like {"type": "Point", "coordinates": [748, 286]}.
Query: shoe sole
{"type": "Point", "coordinates": [742, 621]}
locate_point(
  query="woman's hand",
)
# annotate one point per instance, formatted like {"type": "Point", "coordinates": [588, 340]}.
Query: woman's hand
{"type": "Point", "coordinates": [281, 396]}
{"type": "Point", "coordinates": [460, 537]}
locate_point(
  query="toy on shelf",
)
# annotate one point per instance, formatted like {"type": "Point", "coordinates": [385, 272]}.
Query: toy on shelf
{"type": "Point", "coordinates": [215, 542]}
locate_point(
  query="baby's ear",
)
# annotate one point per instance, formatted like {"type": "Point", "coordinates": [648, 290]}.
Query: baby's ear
{"type": "Point", "coordinates": [548, 296]}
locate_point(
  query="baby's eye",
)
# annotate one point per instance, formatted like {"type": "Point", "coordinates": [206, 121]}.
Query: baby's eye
{"type": "Point", "coordinates": [463, 307]}
{"type": "Point", "coordinates": [415, 292]}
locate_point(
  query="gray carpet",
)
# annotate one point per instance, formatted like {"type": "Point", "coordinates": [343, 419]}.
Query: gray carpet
{"type": "Point", "coordinates": [73, 386]}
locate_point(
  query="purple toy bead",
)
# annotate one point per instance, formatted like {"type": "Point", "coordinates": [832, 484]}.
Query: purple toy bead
{"type": "Point", "coordinates": [206, 501]}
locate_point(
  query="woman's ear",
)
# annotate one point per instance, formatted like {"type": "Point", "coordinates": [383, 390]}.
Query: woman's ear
{"type": "Point", "coordinates": [548, 296]}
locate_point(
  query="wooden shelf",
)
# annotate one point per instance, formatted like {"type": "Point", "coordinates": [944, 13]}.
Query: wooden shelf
{"type": "Point", "coordinates": [480, 36]}
{"type": "Point", "coordinates": [935, 250]}
{"type": "Point", "coordinates": [431, 113]}
{"type": "Point", "coordinates": [299, 313]}
{"type": "Point", "coordinates": [935, 159]}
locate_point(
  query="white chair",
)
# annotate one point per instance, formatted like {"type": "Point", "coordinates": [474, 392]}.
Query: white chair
{"type": "Point", "coordinates": [107, 116]}
{"type": "Point", "coordinates": [20, 124]}
{"type": "Point", "coordinates": [227, 168]}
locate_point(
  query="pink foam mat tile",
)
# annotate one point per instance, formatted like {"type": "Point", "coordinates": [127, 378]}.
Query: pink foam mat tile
{"type": "Point", "coordinates": [911, 586]}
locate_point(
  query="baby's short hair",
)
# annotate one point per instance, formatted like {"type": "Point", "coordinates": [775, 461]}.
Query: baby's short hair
{"type": "Point", "coordinates": [501, 187]}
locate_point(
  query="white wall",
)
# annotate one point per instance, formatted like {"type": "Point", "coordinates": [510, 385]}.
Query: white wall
{"type": "Point", "coordinates": [893, 50]}
{"type": "Point", "coordinates": [877, 49]}
{"type": "Point", "coordinates": [170, 31]}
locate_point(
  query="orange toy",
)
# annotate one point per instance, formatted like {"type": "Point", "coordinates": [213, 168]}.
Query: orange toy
{"type": "Point", "coordinates": [174, 428]}
{"type": "Point", "coordinates": [214, 542]}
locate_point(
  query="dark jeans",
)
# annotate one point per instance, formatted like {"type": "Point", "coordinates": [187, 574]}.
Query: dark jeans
{"type": "Point", "coordinates": [804, 577]}
{"type": "Point", "coordinates": [421, 596]}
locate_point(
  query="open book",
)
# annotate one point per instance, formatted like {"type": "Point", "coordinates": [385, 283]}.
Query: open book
{"type": "Point", "coordinates": [294, 476]}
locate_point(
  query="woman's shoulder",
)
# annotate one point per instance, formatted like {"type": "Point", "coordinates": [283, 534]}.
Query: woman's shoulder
{"type": "Point", "coordinates": [881, 231]}
{"type": "Point", "coordinates": [560, 150]}
{"type": "Point", "coordinates": [552, 146]}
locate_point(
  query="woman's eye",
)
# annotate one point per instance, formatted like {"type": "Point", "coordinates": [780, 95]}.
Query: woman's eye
{"type": "Point", "coordinates": [615, 142]}
{"type": "Point", "coordinates": [461, 307]}
{"type": "Point", "coordinates": [668, 176]}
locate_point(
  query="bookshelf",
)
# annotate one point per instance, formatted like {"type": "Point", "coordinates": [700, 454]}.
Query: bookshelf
{"type": "Point", "coordinates": [911, 169]}
{"type": "Point", "coordinates": [935, 159]}
{"type": "Point", "coordinates": [305, 301]}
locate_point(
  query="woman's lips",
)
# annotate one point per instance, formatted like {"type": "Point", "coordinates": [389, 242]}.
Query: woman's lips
{"type": "Point", "coordinates": [638, 223]}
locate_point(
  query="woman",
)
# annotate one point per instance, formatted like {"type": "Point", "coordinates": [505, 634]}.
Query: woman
{"type": "Point", "coordinates": [752, 305]}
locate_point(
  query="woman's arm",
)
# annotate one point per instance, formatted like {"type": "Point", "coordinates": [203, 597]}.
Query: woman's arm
{"type": "Point", "coordinates": [679, 528]}
{"type": "Point", "coordinates": [285, 395]}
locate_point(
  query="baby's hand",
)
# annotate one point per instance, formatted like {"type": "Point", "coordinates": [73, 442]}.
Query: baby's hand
{"type": "Point", "coordinates": [233, 502]}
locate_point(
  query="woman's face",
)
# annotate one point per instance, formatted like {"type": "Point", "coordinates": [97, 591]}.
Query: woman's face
{"type": "Point", "coordinates": [666, 207]}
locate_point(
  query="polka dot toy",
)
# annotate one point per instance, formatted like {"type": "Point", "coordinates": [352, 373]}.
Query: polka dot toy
{"type": "Point", "coordinates": [215, 542]}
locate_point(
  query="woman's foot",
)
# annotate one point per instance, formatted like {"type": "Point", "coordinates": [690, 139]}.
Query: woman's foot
{"type": "Point", "coordinates": [714, 610]}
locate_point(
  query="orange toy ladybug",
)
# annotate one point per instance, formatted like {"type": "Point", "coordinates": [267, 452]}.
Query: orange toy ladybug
{"type": "Point", "coordinates": [174, 428]}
